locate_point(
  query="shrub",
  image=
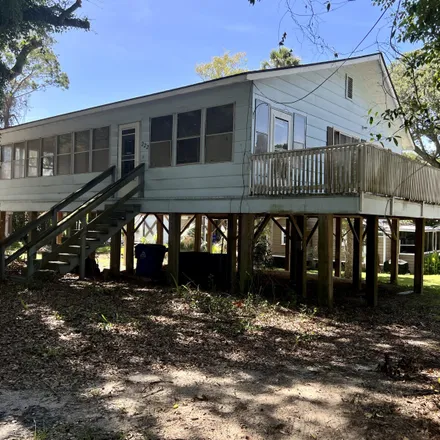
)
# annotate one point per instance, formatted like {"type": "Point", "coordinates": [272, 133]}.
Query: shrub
{"type": "Point", "coordinates": [432, 264]}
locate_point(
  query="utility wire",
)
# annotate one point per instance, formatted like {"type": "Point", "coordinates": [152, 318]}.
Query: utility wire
{"type": "Point", "coordinates": [337, 70]}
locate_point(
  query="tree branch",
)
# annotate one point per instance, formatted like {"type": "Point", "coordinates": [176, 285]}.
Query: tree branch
{"type": "Point", "coordinates": [69, 11]}
{"type": "Point", "coordinates": [47, 16]}
{"type": "Point", "coordinates": [21, 59]}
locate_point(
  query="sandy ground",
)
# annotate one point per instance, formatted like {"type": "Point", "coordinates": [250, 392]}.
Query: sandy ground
{"type": "Point", "coordinates": [123, 361]}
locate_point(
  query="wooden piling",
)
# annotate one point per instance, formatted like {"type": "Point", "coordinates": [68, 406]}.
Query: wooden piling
{"type": "Point", "coordinates": [419, 257]}
{"type": "Point", "coordinates": [325, 260]}
{"type": "Point", "coordinates": [395, 241]}
{"type": "Point", "coordinates": [372, 259]}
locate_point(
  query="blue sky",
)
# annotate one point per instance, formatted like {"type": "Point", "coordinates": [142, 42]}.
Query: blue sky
{"type": "Point", "coordinates": [138, 47]}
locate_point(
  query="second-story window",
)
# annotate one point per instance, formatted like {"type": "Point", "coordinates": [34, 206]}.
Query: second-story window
{"type": "Point", "coordinates": [33, 154]}
{"type": "Point", "coordinates": [81, 152]}
{"type": "Point", "coordinates": [219, 133]}
{"type": "Point", "coordinates": [161, 141]}
{"type": "Point", "coordinates": [19, 160]}
{"type": "Point", "coordinates": [262, 111]}
{"type": "Point", "coordinates": [299, 131]}
{"type": "Point", "coordinates": [6, 169]}
{"type": "Point", "coordinates": [64, 156]}
{"type": "Point", "coordinates": [48, 156]}
{"type": "Point", "coordinates": [188, 137]}
{"type": "Point", "coordinates": [100, 149]}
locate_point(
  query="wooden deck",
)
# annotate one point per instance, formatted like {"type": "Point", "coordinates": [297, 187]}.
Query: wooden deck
{"type": "Point", "coordinates": [344, 170]}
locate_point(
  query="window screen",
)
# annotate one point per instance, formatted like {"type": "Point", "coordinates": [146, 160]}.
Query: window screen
{"type": "Point", "coordinates": [100, 149]}
{"type": "Point", "coordinates": [161, 141]}
{"type": "Point", "coordinates": [81, 152]}
{"type": "Point", "coordinates": [48, 156]}
{"type": "Point", "coordinates": [188, 137]}
{"type": "Point", "coordinates": [299, 131]}
{"type": "Point", "coordinates": [33, 156]}
{"type": "Point", "coordinates": [261, 127]}
{"type": "Point", "coordinates": [64, 157]}
{"type": "Point", "coordinates": [19, 160]}
{"type": "Point", "coordinates": [219, 133]}
{"type": "Point", "coordinates": [6, 158]}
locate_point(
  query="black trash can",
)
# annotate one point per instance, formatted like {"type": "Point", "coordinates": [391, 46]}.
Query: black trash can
{"type": "Point", "coordinates": [149, 260]}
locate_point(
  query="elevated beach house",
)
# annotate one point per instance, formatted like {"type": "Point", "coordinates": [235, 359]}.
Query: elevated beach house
{"type": "Point", "coordinates": [291, 142]}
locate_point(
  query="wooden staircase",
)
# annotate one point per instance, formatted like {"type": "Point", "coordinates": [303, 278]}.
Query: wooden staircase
{"type": "Point", "coordinates": [89, 236]}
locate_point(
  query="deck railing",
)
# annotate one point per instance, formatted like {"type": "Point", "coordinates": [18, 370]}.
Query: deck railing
{"type": "Point", "coordinates": [344, 169]}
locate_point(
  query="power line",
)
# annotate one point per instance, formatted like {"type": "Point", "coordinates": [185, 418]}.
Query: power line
{"type": "Point", "coordinates": [337, 70]}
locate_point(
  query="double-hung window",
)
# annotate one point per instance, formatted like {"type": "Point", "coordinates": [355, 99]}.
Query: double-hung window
{"type": "Point", "coordinates": [188, 137]}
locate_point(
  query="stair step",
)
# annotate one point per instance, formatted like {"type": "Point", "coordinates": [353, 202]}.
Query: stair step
{"type": "Point", "coordinates": [94, 232]}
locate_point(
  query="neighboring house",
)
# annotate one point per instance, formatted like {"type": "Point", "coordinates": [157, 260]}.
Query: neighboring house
{"type": "Point", "coordinates": [243, 145]}
{"type": "Point", "coordinates": [407, 242]}
{"type": "Point", "coordinates": [406, 245]}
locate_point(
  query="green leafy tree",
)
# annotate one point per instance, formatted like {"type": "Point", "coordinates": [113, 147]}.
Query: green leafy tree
{"type": "Point", "coordinates": [418, 89]}
{"type": "Point", "coordinates": [40, 71]}
{"type": "Point", "coordinates": [282, 57]}
{"type": "Point", "coordinates": [24, 28]}
{"type": "Point", "coordinates": [221, 66]}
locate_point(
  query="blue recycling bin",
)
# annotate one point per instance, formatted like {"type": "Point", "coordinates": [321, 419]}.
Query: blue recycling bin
{"type": "Point", "coordinates": [149, 260]}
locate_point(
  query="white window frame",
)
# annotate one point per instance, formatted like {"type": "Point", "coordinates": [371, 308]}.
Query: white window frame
{"type": "Point", "coordinates": [275, 113]}
{"type": "Point", "coordinates": [202, 137]}
{"type": "Point", "coordinates": [254, 122]}
{"type": "Point", "coordinates": [40, 141]}
{"type": "Point", "coordinates": [121, 128]}
{"type": "Point", "coordinates": [305, 128]}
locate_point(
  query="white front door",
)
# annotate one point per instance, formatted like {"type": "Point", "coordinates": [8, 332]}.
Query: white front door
{"type": "Point", "coordinates": [128, 148]}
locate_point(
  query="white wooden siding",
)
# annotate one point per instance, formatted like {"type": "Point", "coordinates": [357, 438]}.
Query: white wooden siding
{"type": "Point", "coordinates": [328, 106]}
{"type": "Point", "coordinates": [228, 179]}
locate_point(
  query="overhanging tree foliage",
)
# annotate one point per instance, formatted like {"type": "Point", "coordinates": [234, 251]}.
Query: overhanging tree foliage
{"type": "Point", "coordinates": [41, 70]}
{"type": "Point", "coordinates": [417, 90]}
{"type": "Point", "coordinates": [24, 26]}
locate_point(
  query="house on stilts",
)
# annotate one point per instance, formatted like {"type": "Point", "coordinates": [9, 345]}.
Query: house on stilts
{"type": "Point", "coordinates": [291, 143]}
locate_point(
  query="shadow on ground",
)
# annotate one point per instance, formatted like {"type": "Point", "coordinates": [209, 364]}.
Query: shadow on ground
{"type": "Point", "coordinates": [111, 360]}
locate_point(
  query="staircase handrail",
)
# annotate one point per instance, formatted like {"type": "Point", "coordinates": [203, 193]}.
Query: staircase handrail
{"type": "Point", "coordinates": [52, 212]}
{"type": "Point", "coordinates": [33, 246]}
